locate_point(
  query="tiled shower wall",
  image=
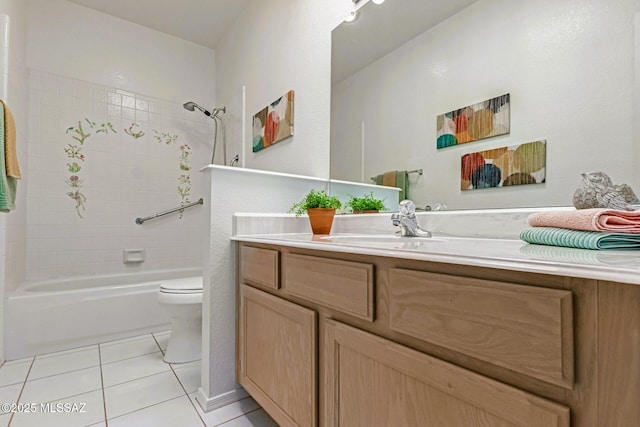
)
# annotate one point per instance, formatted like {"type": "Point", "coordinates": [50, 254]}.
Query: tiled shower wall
{"type": "Point", "coordinates": [140, 151]}
{"type": "Point", "coordinates": [14, 90]}
{"type": "Point", "coordinates": [16, 221]}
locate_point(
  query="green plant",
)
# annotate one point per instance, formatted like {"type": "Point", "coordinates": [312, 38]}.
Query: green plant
{"type": "Point", "coordinates": [315, 199]}
{"type": "Point", "coordinates": [366, 203]}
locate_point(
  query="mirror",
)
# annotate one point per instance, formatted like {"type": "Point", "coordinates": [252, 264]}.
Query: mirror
{"type": "Point", "coordinates": [568, 67]}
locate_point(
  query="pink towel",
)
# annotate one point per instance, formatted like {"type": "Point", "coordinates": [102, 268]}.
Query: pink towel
{"type": "Point", "coordinates": [589, 220]}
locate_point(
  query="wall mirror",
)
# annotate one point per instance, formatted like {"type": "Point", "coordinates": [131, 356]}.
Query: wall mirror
{"type": "Point", "coordinates": [568, 66]}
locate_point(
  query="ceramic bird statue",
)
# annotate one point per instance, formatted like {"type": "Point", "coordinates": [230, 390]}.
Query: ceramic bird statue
{"type": "Point", "coordinates": [598, 191]}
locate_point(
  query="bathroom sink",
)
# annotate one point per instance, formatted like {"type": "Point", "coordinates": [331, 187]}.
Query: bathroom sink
{"type": "Point", "coordinates": [382, 241]}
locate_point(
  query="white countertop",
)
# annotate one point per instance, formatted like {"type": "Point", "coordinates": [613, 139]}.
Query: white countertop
{"type": "Point", "coordinates": [507, 254]}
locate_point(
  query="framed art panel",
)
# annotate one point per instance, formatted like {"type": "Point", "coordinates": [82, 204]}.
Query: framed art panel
{"type": "Point", "coordinates": [273, 123]}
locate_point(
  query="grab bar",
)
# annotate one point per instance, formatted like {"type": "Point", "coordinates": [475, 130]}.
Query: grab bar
{"type": "Point", "coordinates": [139, 221]}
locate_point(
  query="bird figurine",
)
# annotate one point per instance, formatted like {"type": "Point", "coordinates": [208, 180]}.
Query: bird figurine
{"type": "Point", "coordinates": [598, 191]}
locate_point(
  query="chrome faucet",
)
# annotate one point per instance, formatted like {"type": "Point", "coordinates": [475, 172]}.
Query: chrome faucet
{"type": "Point", "coordinates": [407, 221]}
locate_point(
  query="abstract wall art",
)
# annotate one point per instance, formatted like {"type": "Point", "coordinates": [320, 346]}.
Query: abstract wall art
{"type": "Point", "coordinates": [474, 122]}
{"type": "Point", "coordinates": [273, 123]}
{"type": "Point", "coordinates": [506, 166]}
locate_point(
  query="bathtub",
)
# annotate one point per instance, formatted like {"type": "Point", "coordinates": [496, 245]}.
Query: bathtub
{"type": "Point", "coordinates": [57, 315]}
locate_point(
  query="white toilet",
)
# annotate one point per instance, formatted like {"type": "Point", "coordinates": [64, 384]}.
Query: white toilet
{"type": "Point", "coordinates": [181, 300]}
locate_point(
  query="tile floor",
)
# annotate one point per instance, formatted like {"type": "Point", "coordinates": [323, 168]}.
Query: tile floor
{"type": "Point", "coordinates": [121, 383]}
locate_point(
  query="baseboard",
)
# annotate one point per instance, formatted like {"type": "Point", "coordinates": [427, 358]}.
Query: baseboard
{"type": "Point", "coordinates": [210, 403]}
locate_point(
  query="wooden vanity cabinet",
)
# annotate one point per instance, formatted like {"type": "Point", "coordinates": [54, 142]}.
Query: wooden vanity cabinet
{"type": "Point", "coordinates": [333, 339]}
{"type": "Point", "coordinates": [278, 356]}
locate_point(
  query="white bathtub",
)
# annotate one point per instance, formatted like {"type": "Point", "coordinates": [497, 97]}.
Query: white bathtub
{"type": "Point", "coordinates": [51, 316]}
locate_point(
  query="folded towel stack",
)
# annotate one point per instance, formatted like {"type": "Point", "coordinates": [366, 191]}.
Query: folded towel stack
{"type": "Point", "coordinates": [585, 229]}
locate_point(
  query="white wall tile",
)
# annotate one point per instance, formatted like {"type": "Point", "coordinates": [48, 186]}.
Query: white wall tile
{"type": "Point", "coordinates": [123, 178]}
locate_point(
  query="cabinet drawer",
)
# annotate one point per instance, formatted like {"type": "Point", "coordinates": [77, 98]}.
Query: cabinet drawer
{"type": "Point", "coordinates": [373, 382]}
{"type": "Point", "coordinates": [343, 285]}
{"type": "Point", "coordinates": [259, 267]}
{"type": "Point", "coordinates": [525, 329]}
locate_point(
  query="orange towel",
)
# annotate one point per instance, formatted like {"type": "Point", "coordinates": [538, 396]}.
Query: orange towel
{"type": "Point", "coordinates": [589, 220]}
{"type": "Point", "coordinates": [389, 179]}
{"type": "Point", "coordinates": [10, 153]}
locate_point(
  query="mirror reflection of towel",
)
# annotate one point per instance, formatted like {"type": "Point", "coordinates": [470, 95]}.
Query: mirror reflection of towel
{"type": "Point", "coordinates": [402, 182]}
{"type": "Point", "coordinates": [399, 179]}
{"type": "Point", "coordinates": [389, 178]}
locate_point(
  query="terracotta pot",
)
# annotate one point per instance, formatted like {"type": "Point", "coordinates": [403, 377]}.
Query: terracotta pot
{"type": "Point", "coordinates": [366, 211]}
{"type": "Point", "coordinates": [321, 220]}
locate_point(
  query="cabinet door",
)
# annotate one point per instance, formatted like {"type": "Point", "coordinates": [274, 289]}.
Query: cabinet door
{"type": "Point", "coordinates": [370, 381]}
{"type": "Point", "coordinates": [277, 356]}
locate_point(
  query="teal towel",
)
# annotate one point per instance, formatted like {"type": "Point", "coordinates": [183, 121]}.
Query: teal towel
{"type": "Point", "coordinates": [7, 184]}
{"type": "Point", "coordinates": [552, 236]}
{"type": "Point", "coordinates": [402, 182]}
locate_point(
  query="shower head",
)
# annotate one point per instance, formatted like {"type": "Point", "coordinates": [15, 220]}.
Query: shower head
{"type": "Point", "coordinates": [191, 106]}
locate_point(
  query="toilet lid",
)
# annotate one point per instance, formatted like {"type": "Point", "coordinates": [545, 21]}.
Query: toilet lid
{"type": "Point", "coordinates": [187, 285]}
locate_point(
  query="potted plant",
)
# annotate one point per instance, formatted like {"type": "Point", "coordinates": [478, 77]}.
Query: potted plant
{"type": "Point", "coordinates": [366, 204]}
{"type": "Point", "coordinates": [320, 208]}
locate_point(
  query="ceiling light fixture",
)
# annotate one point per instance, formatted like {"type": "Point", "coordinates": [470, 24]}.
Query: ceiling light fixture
{"type": "Point", "coordinates": [378, 1]}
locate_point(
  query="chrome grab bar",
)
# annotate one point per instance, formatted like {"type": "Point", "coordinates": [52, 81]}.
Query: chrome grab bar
{"type": "Point", "coordinates": [139, 221]}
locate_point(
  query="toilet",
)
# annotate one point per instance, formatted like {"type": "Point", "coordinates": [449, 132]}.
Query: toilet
{"type": "Point", "coordinates": [181, 300]}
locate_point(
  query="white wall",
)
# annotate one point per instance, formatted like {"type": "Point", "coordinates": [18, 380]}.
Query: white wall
{"type": "Point", "coordinates": [14, 90]}
{"type": "Point", "coordinates": [233, 190]}
{"type": "Point", "coordinates": [78, 42]}
{"type": "Point", "coordinates": [570, 72]}
{"type": "Point", "coordinates": [276, 46]}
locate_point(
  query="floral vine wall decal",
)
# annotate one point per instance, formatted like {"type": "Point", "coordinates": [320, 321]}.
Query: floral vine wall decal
{"type": "Point", "coordinates": [185, 152]}
{"type": "Point", "coordinates": [74, 151]}
{"type": "Point", "coordinates": [80, 135]}
{"type": "Point", "coordinates": [130, 131]}
{"type": "Point", "coordinates": [75, 183]}
{"type": "Point", "coordinates": [184, 180]}
{"type": "Point", "coordinates": [184, 190]}
{"type": "Point", "coordinates": [104, 127]}
{"type": "Point", "coordinates": [165, 137]}
{"type": "Point", "coordinates": [76, 159]}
